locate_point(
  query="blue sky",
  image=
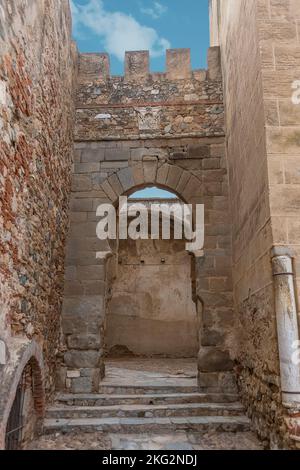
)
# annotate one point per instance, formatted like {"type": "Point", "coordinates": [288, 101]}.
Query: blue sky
{"type": "Point", "coordinates": [153, 193]}
{"type": "Point", "coordinates": [115, 25]}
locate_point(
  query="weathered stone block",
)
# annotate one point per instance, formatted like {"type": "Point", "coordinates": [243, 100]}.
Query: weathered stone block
{"type": "Point", "coordinates": [78, 359]}
{"type": "Point", "coordinates": [210, 337]}
{"type": "Point", "coordinates": [78, 217]}
{"type": "Point", "coordinates": [81, 230]}
{"type": "Point", "coordinates": [109, 191]}
{"type": "Point", "coordinates": [211, 163]}
{"type": "Point", "coordinates": [92, 156]}
{"type": "Point", "coordinates": [224, 382]}
{"type": "Point", "coordinates": [86, 167]}
{"type": "Point", "coordinates": [117, 154]}
{"type": "Point", "coordinates": [162, 174]}
{"type": "Point", "coordinates": [91, 273]}
{"type": "Point", "coordinates": [70, 273]}
{"type": "Point", "coordinates": [94, 66]}
{"type": "Point", "coordinates": [84, 342]}
{"type": "Point", "coordinates": [82, 314]}
{"type": "Point", "coordinates": [214, 63]}
{"type": "Point", "coordinates": [60, 378]}
{"type": "Point", "coordinates": [73, 374]}
{"type": "Point", "coordinates": [214, 360]}
{"type": "Point", "coordinates": [82, 385]}
{"type": "Point", "coordinates": [81, 205]}
{"type": "Point", "coordinates": [126, 178]}
{"type": "Point", "coordinates": [178, 63]}
{"type": "Point", "coordinates": [138, 173]}
{"type": "Point", "coordinates": [88, 382]}
{"type": "Point", "coordinates": [278, 30]}
{"type": "Point", "coordinates": [115, 184]}
{"type": "Point", "coordinates": [199, 151]}
{"type": "Point", "coordinates": [150, 169]}
{"type": "Point", "coordinates": [289, 113]}
{"type": "Point", "coordinates": [174, 176]}
{"type": "Point", "coordinates": [193, 189]}
{"type": "Point", "coordinates": [81, 183]}
{"type": "Point", "coordinates": [183, 182]}
{"type": "Point", "coordinates": [137, 65]}
{"type": "Point", "coordinates": [287, 55]}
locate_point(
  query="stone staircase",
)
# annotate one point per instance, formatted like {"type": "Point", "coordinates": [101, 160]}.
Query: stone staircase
{"type": "Point", "coordinates": [145, 409]}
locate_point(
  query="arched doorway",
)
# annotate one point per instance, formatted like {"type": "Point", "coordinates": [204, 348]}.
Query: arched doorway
{"type": "Point", "coordinates": [22, 408]}
{"type": "Point", "coordinates": [92, 265]}
{"type": "Point", "coordinates": [151, 324]}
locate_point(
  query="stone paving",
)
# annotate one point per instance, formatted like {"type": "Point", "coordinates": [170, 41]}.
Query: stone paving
{"type": "Point", "coordinates": [175, 441]}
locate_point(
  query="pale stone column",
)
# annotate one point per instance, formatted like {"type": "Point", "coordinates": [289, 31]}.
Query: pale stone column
{"type": "Point", "coordinates": [287, 325]}
{"type": "Point", "coordinates": [214, 22]}
{"type": "Point", "coordinates": [3, 356]}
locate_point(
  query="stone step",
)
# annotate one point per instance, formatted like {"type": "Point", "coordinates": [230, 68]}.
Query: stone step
{"type": "Point", "coordinates": [143, 399]}
{"type": "Point", "coordinates": [146, 389]}
{"type": "Point", "coordinates": [149, 425]}
{"type": "Point", "coordinates": [145, 411]}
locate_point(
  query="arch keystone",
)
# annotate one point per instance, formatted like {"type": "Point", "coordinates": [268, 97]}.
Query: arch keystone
{"type": "Point", "coordinates": [150, 168]}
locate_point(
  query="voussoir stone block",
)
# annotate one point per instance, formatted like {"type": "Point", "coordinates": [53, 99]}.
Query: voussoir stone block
{"type": "Point", "coordinates": [126, 178]}
{"type": "Point", "coordinates": [174, 175]}
{"type": "Point", "coordinates": [162, 174]}
{"type": "Point", "coordinates": [115, 184]}
{"type": "Point", "coordinates": [138, 173]}
{"type": "Point", "coordinates": [107, 188]}
{"type": "Point", "coordinates": [183, 181]}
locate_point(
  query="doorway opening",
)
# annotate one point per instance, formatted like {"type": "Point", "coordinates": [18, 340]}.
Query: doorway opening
{"type": "Point", "coordinates": [22, 420]}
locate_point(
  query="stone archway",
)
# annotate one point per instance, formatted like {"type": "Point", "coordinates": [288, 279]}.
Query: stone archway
{"type": "Point", "coordinates": [22, 353]}
{"type": "Point", "coordinates": [88, 276]}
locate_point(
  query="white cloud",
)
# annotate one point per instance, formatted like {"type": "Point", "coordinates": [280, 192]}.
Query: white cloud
{"type": "Point", "coordinates": [120, 32]}
{"type": "Point", "coordinates": [156, 11]}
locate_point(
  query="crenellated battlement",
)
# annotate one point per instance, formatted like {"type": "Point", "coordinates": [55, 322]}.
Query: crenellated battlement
{"type": "Point", "coordinates": [176, 102]}
{"type": "Point", "coordinates": [96, 66]}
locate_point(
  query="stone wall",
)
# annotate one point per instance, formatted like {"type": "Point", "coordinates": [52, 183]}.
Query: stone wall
{"type": "Point", "coordinates": [259, 45]}
{"type": "Point", "coordinates": [37, 62]}
{"type": "Point", "coordinates": [142, 104]}
{"type": "Point", "coordinates": [135, 131]}
{"type": "Point", "coordinates": [279, 29]}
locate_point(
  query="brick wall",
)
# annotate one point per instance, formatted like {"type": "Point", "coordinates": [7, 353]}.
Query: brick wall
{"type": "Point", "coordinates": [36, 132]}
